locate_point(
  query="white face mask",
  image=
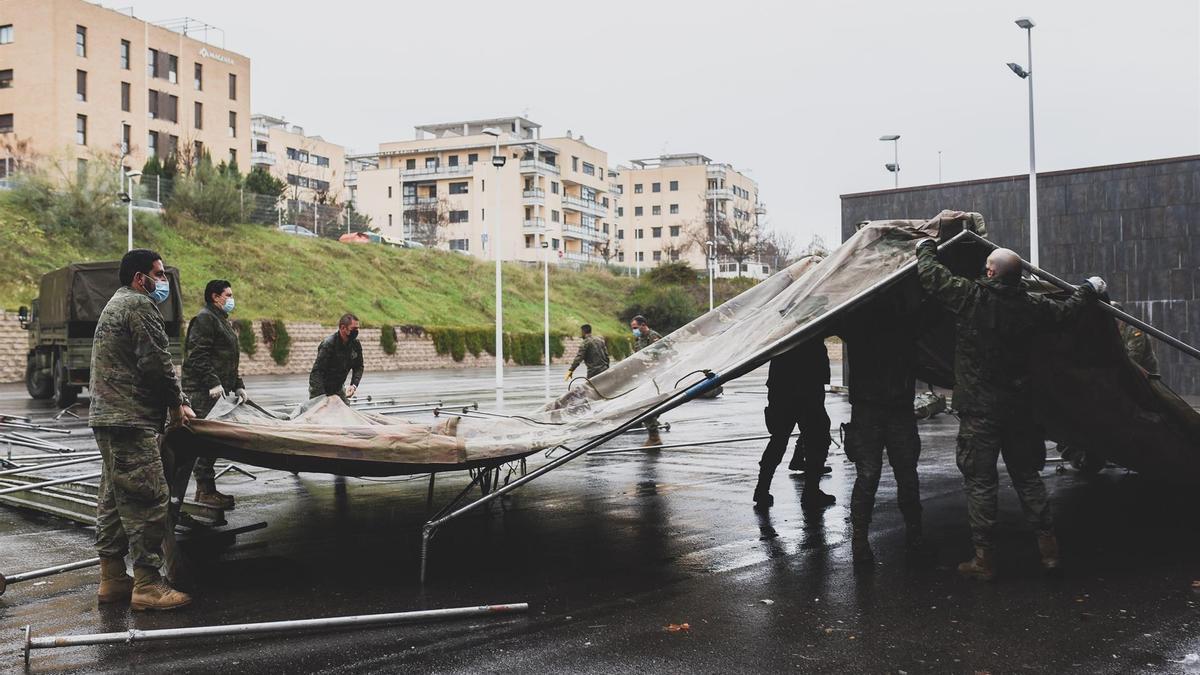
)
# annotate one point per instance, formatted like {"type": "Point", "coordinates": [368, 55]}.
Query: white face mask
{"type": "Point", "coordinates": [229, 305]}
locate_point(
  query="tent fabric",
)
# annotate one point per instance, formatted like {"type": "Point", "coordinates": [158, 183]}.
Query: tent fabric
{"type": "Point", "coordinates": [327, 435]}
{"type": "Point", "coordinates": [79, 292]}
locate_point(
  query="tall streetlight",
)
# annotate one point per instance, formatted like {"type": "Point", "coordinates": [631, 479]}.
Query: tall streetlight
{"type": "Point", "coordinates": [498, 162]}
{"type": "Point", "coordinates": [129, 176]}
{"type": "Point", "coordinates": [894, 167]}
{"type": "Point", "coordinates": [546, 310]}
{"type": "Point", "coordinates": [1027, 75]}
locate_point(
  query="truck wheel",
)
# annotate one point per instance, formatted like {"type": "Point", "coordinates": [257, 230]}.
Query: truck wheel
{"type": "Point", "coordinates": [38, 382]}
{"type": "Point", "coordinates": [64, 394]}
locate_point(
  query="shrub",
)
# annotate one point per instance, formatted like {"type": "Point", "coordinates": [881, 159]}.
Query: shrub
{"type": "Point", "coordinates": [245, 333]}
{"type": "Point", "coordinates": [619, 347]}
{"type": "Point", "coordinates": [281, 346]}
{"type": "Point", "coordinates": [206, 196]}
{"type": "Point", "coordinates": [665, 308]}
{"type": "Point", "coordinates": [261, 182]}
{"type": "Point", "coordinates": [673, 273]}
{"type": "Point", "coordinates": [387, 339]}
{"type": "Point", "coordinates": [84, 204]}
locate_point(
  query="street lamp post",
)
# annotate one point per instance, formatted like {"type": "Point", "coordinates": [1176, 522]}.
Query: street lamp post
{"type": "Point", "coordinates": [498, 162]}
{"type": "Point", "coordinates": [1027, 75]}
{"type": "Point", "coordinates": [894, 167]}
{"type": "Point", "coordinates": [546, 310]}
{"type": "Point", "coordinates": [129, 176]}
{"type": "Point", "coordinates": [712, 235]}
{"type": "Point", "coordinates": [711, 246]}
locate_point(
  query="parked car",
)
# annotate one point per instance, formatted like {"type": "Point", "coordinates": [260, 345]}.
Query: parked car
{"type": "Point", "coordinates": [298, 230]}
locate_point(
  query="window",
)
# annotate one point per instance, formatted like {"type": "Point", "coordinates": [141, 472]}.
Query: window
{"type": "Point", "coordinates": [198, 77]}
{"type": "Point", "coordinates": [126, 138]}
{"type": "Point", "coordinates": [675, 230]}
{"type": "Point", "coordinates": [605, 228]}
{"type": "Point", "coordinates": [639, 233]}
{"type": "Point", "coordinates": [620, 234]}
{"type": "Point", "coordinates": [151, 63]}
{"type": "Point", "coordinates": [81, 85]}
{"type": "Point", "coordinates": [674, 209]}
{"type": "Point", "coordinates": [81, 129]}
{"type": "Point", "coordinates": [172, 68]}
{"type": "Point", "coordinates": [637, 188]}
{"type": "Point", "coordinates": [124, 54]}
{"type": "Point", "coordinates": [389, 194]}
{"type": "Point", "coordinates": [172, 111]}
{"type": "Point", "coordinates": [232, 124]}
{"type": "Point", "coordinates": [152, 142]}
{"type": "Point", "coordinates": [553, 216]}
{"type": "Point", "coordinates": [589, 169]}
{"type": "Point", "coordinates": [198, 115]}
{"type": "Point", "coordinates": [605, 202]}
{"type": "Point", "coordinates": [554, 187]}
{"type": "Point", "coordinates": [6, 34]}
{"type": "Point", "coordinates": [620, 256]}
{"type": "Point", "coordinates": [459, 188]}
{"type": "Point", "coordinates": [620, 211]}
{"type": "Point", "coordinates": [6, 78]}
{"type": "Point", "coordinates": [197, 152]}
{"type": "Point", "coordinates": [637, 210]}
{"type": "Point", "coordinates": [80, 40]}
{"type": "Point", "coordinates": [656, 232]}
{"type": "Point", "coordinates": [172, 144]}
{"type": "Point", "coordinates": [656, 210]}
{"type": "Point", "coordinates": [674, 186]}
{"type": "Point", "coordinates": [657, 256]}
{"type": "Point", "coordinates": [554, 244]}
{"type": "Point", "coordinates": [321, 185]}
{"type": "Point", "coordinates": [472, 158]}
{"type": "Point", "coordinates": [410, 164]}
{"type": "Point", "coordinates": [459, 216]}
{"type": "Point", "coordinates": [453, 160]}
{"type": "Point", "coordinates": [431, 162]}
{"type": "Point", "coordinates": [460, 244]}
{"type": "Point", "coordinates": [641, 256]}
{"type": "Point", "coordinates": [232, 87]}
{"type": "Point", "coordinates": [656, 187]}
{"type": "Point", "coordinates": [389, 217]}
{"type": "Point", "coordinates": [575, 164]}
{"type": "Point", "coordinates": [126, 93]}
{"type": "Point", "coordinates": [6, 123]}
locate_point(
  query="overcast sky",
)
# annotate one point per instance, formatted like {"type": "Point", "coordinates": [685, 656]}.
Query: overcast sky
{"type": "Point", "coordinates": [795, 93]}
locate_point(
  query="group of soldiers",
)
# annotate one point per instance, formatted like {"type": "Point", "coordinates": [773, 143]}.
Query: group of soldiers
{"type": "Point", "coordinates": [996, 323]}
{"type": "Point", "coordinates": [135, 393]}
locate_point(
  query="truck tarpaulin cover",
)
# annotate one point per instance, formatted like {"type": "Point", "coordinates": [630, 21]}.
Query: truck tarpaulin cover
{"type": "Point", "coordinates": [79, 292]}
{"type": "Point", "coordinates": [1087, 392]}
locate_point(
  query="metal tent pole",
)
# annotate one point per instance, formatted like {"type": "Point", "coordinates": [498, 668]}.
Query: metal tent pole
{"type": "Point", "coordinates": [45, 572]}
{"type": "Point", "coordinates": [48, 483]}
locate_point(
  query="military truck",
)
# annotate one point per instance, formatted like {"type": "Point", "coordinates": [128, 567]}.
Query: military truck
{"type": "Point", "coordinates": [62, 322]}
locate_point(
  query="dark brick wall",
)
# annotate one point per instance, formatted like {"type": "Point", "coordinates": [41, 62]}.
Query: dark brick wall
{"type": "Point", "coordinates": [1137, 225]}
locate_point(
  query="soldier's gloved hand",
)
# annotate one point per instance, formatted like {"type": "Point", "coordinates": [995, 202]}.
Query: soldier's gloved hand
{"type": "Point", "coordinates": [570, 374]}
{"type": "Point", "coordinates": [1099, 284]}
{"type": "Point", "coordinates": [932, 243]}
{"type": "Point", "coordinates": [350, 390]}
{"type": "Point", "coordinates": [216, 392]}
{"type": "Point", "coordinates": [240, 392]}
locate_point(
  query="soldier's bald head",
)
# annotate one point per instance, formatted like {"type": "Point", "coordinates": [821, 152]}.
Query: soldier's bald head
{"type": "Point", "coordinates": [1004, 263]}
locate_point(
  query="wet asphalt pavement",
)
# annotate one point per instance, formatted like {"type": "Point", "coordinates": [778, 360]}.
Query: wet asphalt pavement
{"type": "Point", "coordinates": [611, 551]}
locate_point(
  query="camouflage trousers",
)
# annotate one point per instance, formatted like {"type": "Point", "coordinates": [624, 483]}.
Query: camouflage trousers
{"type": "Point", "coordinates": [203, 404]}
{"type": "Point", "coordinates": [872, 429]}
{"type": "Point", "coordinates": [981, 442]}
{"type": "Point", "coordinates": [131, 509]}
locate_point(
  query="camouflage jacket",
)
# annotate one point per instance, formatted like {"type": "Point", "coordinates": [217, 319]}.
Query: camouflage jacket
{"type": "Point", "coordinates": [335, 359]}
{"type": "Point", "coordinates": [594, 353]}
{"type": "Point", "coordinates": [995, 329]}
{"type": "Point", "coordinates": [881, 351]}
{"type": "Point", "coordinates": [1137, 344]}
{"type": "Point", "coordinates": [645, 340]}
{"type": "Point", "coordinates": [212, 353]}
{"type": "Point", "coordinates": [133, 380]}
{"type": "Point", "coordinates": [802, 368]}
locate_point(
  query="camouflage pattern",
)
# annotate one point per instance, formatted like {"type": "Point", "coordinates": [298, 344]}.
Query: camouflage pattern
{"type": "Point", "coordinates": [335, 359]}
{"type": "Point", "coordinates": [796, 398]}
{"type": "Point", "coordinates": [981, 441]}
{"type": "Point", "coordinates": [871, 429]}
{"type": "Point", "coordinates": [133, 380]}
{"type": "Point", "coordinates": [212, 353]}
{"type": "Point", "coordinates": [996, 325]}
{"type": "Point", "coordinates": [594, 353]}
{"type": "Point", "coordinates": [646, 339]}
{"type": "Point", "coordinates": [1138, 345]}
{"type": "Point", "coordinates": [131, 507]}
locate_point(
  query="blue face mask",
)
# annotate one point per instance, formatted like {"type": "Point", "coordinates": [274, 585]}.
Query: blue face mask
{"type": "Point", "coordinates": [637, 332]}
{"type": "Point", "coordinates": [162, 290]}
{"type": "Point", "coordinates": [228, 306]}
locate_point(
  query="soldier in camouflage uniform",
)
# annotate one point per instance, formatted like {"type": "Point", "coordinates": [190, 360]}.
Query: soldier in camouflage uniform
{"type": "Point", "coordinates": [210, 371]}
{"type": "Point", "coordinates": [644, 336]}
{"type": "Point", "coordinates": [996, 323]}
{"type": "Point", "coordinates": [881, 350]}
{"type": "Point", "coordinates": [1139, 348]}
{"type": "Point", "coordinates": [593, 352]}
{"type": "Point", "coordinates": [133, 386]}
{"type": "Point", "coordinates": [338, 355]}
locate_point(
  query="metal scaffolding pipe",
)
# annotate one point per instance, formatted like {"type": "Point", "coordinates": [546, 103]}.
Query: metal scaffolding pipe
{"type": "Point", "coordinates": [35, 445]}
{"type": "Point", "coordinates": [735, 439]}
{"type": "Point", "coordinates": [46, 458]}
{"type": "Point", "coordinates": [48, 483]}
{"type": "Point", "coordinates": [45, 572]}
{"type": "Point", "coordinates": [35, 427]}
{"type": "Point", "coordinates": [134, 635]}
{"type": "Point", "coordinates": [51, 465]}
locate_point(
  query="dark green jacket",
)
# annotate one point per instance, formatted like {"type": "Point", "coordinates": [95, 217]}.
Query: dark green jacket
{"type": "Point", "coordinates": [802, 369]}
{"type": "Point", "coordinates": [594, 353]}
{"type": "Point", "coordinates": [645, 340]}
{"type": "Point", "coordinates": [1137, 344]}
{"type": "Point", "coordinates": [996, 326]}
{"type": "Point", "coordinates": [212, 355]}
{"type": "Point", "coordinates": [133, 379]}
{"type": "Point", "coordinates": [335, 359]}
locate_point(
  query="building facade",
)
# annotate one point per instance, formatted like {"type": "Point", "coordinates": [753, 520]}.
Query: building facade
{"type": "Point", "coordinates": [443, 189]}
{"type": "Point", "coordinates": [1137, 225]}
{"type": "Point", "coordinates": [665, 213]}
{"type": "Point", "coordinates": [79, 83]}
{"type": "Point", "coordinates": [312, 167]}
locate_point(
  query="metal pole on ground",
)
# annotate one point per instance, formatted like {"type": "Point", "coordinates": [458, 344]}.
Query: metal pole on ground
{"type": "Point", "coordinates": [45, 572]}
{"type": "Point", "coordinates": [48, 483]}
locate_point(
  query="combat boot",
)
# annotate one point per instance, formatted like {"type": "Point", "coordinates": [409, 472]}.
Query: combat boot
{"type": "Point", "coordinates": [914, 535]}
{"type": "Point", "coordinates": [1048, 546]}
{"type": "Point", "coordinates": [652, 438]}
{"type": "Point", "coordinates": [151, 591]}
{"type": "Point", "coordinates": [980, 567]}
{"type": "Point", "coordinates": [206, 494]}
{"type": "Point", "coordinates": [115, 584]}
{"type": "Point", "coordinates": [813, 498]}
{"type": "Point", "coordinates": [762, 494]}
{"type": "Point", "coordinates": [861, 548]}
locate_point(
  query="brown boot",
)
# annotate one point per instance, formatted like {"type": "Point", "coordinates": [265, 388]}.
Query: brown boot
{"type": "Point", "coordinates": [151, 591]}
{"type": "Point", "coordinates": [206, 494]}
{"type": "Point", "coordinates": [1048, 545]}
{"type": "Point", "coordinates": [652, 438]}
{"type": "Point", "coordinates": [115, 584]}
{"type": "Point", "coordinates": [980, 567]}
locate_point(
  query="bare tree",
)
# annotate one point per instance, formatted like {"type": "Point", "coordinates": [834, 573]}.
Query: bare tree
{"type": "Point", "coordinates": [778, 249]}
{"type": "Point", "coordinates": [426, 222]}
{"type": "Point", "coordinates": [734, 239]}
{"type": "Point", "coordinates": [816, 246]}
{"type": "Point", "coordinates": [18, 153]}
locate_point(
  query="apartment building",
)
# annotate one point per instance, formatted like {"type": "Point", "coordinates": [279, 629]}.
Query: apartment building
{"type": "Point", "coordinates": [664, 213]}
{"type": "Point", "coordinates": [312, 167]}
{"type": "Point", "coordinates": [443, 189]}
{"type": "Point", "coordinates": [79, 82]}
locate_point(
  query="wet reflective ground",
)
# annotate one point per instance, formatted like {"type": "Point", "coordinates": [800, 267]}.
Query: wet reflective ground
{"type": "Point", "coordinates": [611, 550]}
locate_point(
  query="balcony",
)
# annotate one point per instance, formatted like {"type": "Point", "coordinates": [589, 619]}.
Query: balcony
{"type": "Point", "coordinates": [587, 206]}
{"type": "Point", "coordinates": [436, 172]}
{"type": "Point", "coordinates": [717, 171]}
{"type": "Point", "coordinates": [262, 159]}
{"type": "Point", "coordinates": [536, 196]}
{"type": "Point", "coordinates": [537, 166]}
{"type": "Point", "coordinates": [534, 224]}
{"type": "Point", "coordinates": [420, 201]}
{"type": "Point", "coordinates": [576, 257]}
{"type": "Point", "coordinates": [615, 189]}
{"type": "Point", "coordinates": [585, 233]}
{"type": "Point", "coordinates": [761, 209]}
{"type": "Point", "coordinates": [720, 193]}
{"type": "Point", "coordinates": [260, 131]}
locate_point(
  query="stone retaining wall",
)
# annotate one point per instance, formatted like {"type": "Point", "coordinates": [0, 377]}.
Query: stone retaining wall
{"type": "Point", "coordinates": [14, 344]}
